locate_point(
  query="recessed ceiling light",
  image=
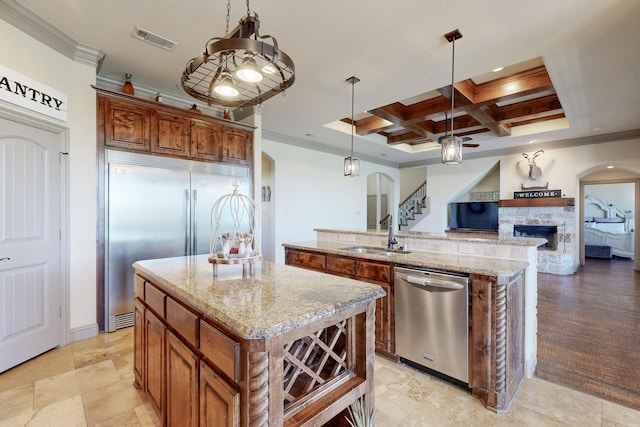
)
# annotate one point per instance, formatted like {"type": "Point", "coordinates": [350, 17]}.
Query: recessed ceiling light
{"type": "Point", "coordinates": [530, 141]}
{"type": "Point", "coordinates": [596, 128]}
{"type": "Point", "coordinates": [311, 135]}
{"type": "Point", "coordinates": [495, 70]}
{"type": "Point", "coordinates": [610, 167]}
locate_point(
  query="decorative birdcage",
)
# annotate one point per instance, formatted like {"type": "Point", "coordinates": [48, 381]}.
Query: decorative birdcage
{"type": "Point", "coordinates": [235, 231]}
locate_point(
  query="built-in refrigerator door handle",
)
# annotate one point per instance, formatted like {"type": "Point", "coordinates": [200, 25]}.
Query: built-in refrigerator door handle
{"type": "Point", "coordinates": [195, 223]}
{"type": "Point", "coordinates": [187, 221]}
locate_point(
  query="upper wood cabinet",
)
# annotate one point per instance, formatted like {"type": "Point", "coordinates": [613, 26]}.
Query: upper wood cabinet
{"type": "Point", "coordinates": [126, 125]}
{"type": "Point", "coordinates": [206, 140]}
{"type": "Point", "coordinates": [170, 134]}
{"type": "Point", "coordinates": [130, 123]}
{"type": "Point", "coordinates": [235, 144]}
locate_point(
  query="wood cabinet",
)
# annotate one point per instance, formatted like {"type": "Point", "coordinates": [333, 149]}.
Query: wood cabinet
{"type": "Point", "coordinates": [170, 134]}
{"type": "Point", "coordinates": [219, 402]}
{"type": "Point", "coordinates": [182, 384]}
{"type": "Point", "coordinates": [170, 364]}
{"type": "Point", "coordinates": [126, 125]}
{"type": "Point", "coordinates": [198, 372]}
{"type": "Point", "coordinates": [155, 350]}
{"type": "Point", "coordinates": [376, 272]}
{"type": "Point", "coordinates": [234, 146]}
{"type": "Point", "coordinates": [496, 321]}
{"type": "Point", "coordinates": [206, 141]}
{"type": "Point", "coordinates": [130, 123]}
{"type": "Point", "coordinates": [138, 343]}
{"type": "Point", "coordinates": [496, 338]}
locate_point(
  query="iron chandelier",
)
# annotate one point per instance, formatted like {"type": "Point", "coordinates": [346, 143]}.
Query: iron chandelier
{"type": "Point", "coordinates": [239, 69]}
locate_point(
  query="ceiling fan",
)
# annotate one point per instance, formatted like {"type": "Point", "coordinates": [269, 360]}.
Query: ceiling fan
{"type": "Point", "coordinates": [463, 138]}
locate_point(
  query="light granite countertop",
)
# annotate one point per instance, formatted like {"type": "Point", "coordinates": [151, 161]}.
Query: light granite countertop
{"type": "Point", "coordinates": [277, 299]}
{"type": "Point", "coordinates": [459, 263]}
{"type": "Point", "coordinates": [458, 236]}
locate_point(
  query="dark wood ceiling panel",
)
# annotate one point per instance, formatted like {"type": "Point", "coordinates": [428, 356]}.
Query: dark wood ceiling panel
{"type": "Point", "coordinates": [493, 106]}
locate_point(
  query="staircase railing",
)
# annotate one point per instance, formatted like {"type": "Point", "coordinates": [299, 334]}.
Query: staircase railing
{"type": "Point", "coordinates": [409, 207]}
{"type": "Point", "coordinates": [412, 205]}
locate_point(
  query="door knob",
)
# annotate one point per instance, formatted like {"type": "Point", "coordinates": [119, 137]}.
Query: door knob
{"type": "Point", "coordinates": [7, 258]}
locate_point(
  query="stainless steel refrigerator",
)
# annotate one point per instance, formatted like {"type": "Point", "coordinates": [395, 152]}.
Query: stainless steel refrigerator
{"type": "Point", "coordinates": [157, 207]}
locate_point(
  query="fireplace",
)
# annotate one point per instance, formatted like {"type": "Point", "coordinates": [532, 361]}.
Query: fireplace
{"type": "Point", "coordinates": [553, 219]}
{"type": "Point", "coordinates": [548, 232]}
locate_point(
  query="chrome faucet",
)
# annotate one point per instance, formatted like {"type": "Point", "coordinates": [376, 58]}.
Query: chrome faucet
{"type": "Point", "coordinates": [392, 240]}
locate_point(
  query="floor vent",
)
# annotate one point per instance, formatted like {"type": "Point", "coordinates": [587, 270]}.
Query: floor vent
{"type": "Point", "coordinates": [124, 320]}
{"type": "Point", "coordinates": [154, 39]}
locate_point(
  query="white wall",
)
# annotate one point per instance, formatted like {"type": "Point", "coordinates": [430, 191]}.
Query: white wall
{"type": "Point", "coordinates": [410, 180]}
{"type": "Point", "coordinates": [29, 57]}
{"type": "Point", "coordinates": [562, 168]}
{"type": "Point", "coordinates": [310, 191]}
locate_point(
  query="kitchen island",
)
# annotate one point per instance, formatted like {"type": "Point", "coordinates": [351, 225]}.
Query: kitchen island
{"type": "Point", "coordinates": [497, 294]}
{"type": "Point", "coordinates": [283, 347]}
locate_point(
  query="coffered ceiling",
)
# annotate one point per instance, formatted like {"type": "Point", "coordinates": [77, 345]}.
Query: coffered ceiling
{"type": "Point", "coordinates": [570, 72]}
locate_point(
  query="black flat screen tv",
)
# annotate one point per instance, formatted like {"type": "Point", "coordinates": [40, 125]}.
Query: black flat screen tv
{"type": "Point", "coordinates": [473, 216]}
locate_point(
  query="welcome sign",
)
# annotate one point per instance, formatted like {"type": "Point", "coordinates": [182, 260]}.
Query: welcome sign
{"type": "Point", "coordinates": [33, 95]}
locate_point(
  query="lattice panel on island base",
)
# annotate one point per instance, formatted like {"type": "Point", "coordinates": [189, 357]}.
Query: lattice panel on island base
{"type": "Point", "coordinates": [314, 360]}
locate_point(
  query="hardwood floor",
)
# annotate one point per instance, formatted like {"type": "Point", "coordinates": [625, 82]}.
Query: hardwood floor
{"type": "Point", "coordinates": [589, 330]}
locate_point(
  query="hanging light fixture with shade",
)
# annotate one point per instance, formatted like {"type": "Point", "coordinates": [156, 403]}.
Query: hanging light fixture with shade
{"type": "Point", "coordinates": [450, 145]}
{"type": "Point", "coordinates": [351, 164]}
{"type": "Point", "coordinates": [239, 69]}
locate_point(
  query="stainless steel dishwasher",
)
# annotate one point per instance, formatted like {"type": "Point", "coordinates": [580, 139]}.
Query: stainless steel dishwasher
{"type": "Point", "coordinates": [432, 320]}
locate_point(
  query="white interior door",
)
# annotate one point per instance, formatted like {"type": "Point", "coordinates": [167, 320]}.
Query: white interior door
{"type": "Point", "coordinates": [30, 242]}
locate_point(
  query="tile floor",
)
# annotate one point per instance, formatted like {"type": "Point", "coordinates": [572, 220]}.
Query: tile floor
{"type": "Point", "coordinates": [89, 383]}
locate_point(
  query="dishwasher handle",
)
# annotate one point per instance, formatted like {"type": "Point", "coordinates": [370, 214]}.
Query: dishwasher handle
{"type": "Point", "coordinates": [435, 283]}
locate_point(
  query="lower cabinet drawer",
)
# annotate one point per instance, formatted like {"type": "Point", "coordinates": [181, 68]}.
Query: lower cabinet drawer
{"type": "Point", "coordinates": [183, 320]}
{"type": "Point", "coordinates": [138, 287]}
{"type": "Point", "coordinates": [374, 270]}
{"type": "Point", "coordinates": [154, 298]}
{"type": "Point", "coordinates": [306, 260]}
{"type": "Point", "coordinates": [340, 265]}
{"type": "Point", "coordinates": [219, 349]}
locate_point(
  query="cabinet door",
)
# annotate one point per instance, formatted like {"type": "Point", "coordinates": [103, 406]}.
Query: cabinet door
{"type": "Point", "coordinates": [155, 364]}
{"type": "Point", "coordinates": [341, 266]}
{"type": "Point", "coordinates": [182, 384]}
{"type": "Point", "coordinates": [308, 260]}
{"type": "Point", "coordinates": [384, 318]}
{"type": "Point", "coordinates": [170, 134]}
{"type": "Point", "coordinates": [236, 146]}
{"type": "Point", "coordinates": [127, 125]}
{"type": "Point", "coordinates": [206, 140]}
{"type": "Point", "coordinates": [381, 275]}
{"type": "Point", "coordinates": [219, 402]}
{"type": "Point", "coordinates": [138, 343]}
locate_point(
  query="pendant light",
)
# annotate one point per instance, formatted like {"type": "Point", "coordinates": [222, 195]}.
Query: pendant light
{"type": "Point", "coordinates": [351, 164]}
{"type": "Point", "coordinates": [451, 146]}
{"type": "Point", "coordinates": [239, 69]}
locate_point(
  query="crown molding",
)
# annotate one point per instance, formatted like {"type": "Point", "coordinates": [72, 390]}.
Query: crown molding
{"type": "Point", "coordinates": [31, 24]}
{"type": "Point", "coordinates": [301, 143]}
{"type": "Point", "coordinates": [551, 145]}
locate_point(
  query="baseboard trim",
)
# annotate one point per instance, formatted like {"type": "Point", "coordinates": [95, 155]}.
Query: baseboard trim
{"type": "Point", "coordinates": [83, 332]}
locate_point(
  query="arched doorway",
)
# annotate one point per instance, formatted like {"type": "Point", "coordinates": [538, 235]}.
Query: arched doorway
{"type": "Point", "coordinates": [619, 188]}
{"type": "Point", "coordinates": [267, 197]}
{"type": "Point", "coordinates": [380, 197]}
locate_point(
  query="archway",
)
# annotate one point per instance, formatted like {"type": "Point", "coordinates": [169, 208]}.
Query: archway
{"type": "Point", "coordinates": [614, 186]}
{"type": "Point", "coordinates": [380, 199]}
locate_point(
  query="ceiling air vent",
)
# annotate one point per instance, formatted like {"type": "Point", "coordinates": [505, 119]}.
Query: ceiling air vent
{"type": "Point", "coordinates": [154, 39]}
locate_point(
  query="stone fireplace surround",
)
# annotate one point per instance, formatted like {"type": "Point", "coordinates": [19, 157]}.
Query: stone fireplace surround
{"type": "Point", "coordinates": [559, 212]}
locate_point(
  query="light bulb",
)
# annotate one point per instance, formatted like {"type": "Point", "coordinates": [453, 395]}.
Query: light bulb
{"type": "Point", "coordinates": [225, 86]}
{"type": "Point", "coordinates": [248, 71]}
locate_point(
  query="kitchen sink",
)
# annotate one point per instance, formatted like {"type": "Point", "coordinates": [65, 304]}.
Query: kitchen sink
{"type": "Point", "coordinates": [374, 251]}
